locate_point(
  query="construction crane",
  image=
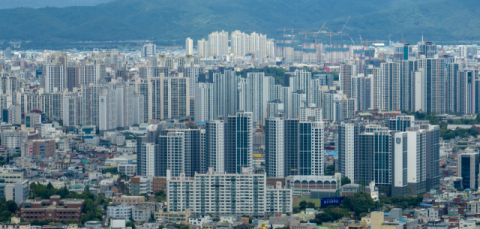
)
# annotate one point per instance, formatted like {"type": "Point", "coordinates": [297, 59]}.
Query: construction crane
{"type": "Point", "coordinates": [319, 31]}
{"type": "Point", "coordinates": [284, 30]}
{"type": "Point", "coordinates": [351, 39]}
{"type": "Point", "coordinates": [337, 34]}
{"type": "Point", "coordinates": [341, 31]}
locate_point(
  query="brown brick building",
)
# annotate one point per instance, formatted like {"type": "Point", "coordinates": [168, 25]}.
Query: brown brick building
{"type": "Point", "coordinates": [44, 148]}
{"type": "Point", "coordinates": [129, 200]}
{"type": "Point", "coordinates": [54, 209]}
{"type": "Point", "coordinates": [159, 184]}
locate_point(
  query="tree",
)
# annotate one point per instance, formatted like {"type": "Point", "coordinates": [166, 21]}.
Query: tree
{"type": "Point", "coordinates": [358, 203]}
{"type": "Point", "coordinates": [12, 206]}
{"type": "Point", "coordinates": [346, 180]}
{"type": "Point", "coordinates": [310, 205]}
{"type": "Point", "coordinates": [130, 224]}
{"type": "Point", "coordinates": [49, 186]}
{"type": "Point", "coordinates": [303, 204]}
{"type": "Point", "coordinates": [161, 226]}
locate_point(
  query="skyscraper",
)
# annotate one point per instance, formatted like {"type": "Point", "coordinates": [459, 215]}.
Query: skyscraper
{"type": "Point", "coordinates": [149, 50]}
{"type": "Point", "coordinates": [239, 142]}
{"type": "Point", "coordinates": [468, 169]}
{"type": "Point", "coordinates": [188, 46]}
{"type": "Point", "coordinates": [54, 78]}
{"type": "Point", "coordinates": [170, 154]}
{"type": "Point", "coordinates": [348, 144]}
{"type": "Point", "coordinates": [204, 102]}
{"type": "Point", "coordinates": [215, 145]}
{"type": "Point", "coordinates": [399, 164]}
{"type": "Point", "coordinates": [347, 71]}
{"type": "Point", "coordinates": [274, 147]}
{"type": "Point", "coordinates": [375, 159]}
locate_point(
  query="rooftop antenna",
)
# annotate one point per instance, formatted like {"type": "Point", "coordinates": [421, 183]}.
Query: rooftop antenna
{"type": "Point", "coordinates": [422, 36]}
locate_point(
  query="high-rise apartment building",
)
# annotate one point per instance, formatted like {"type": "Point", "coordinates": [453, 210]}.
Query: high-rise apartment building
{"type": "Point", "coordinates": [274, 147]}
{"type": "Point", "coordinates": [54, 78]}
{"type": "Point", "coordinates": [149, 50]}
{"type": "Point", "coordinates": [468, 169]}
{"type": "Point", "coordinates": [170, 154]}
{"type": "Point", "coordinates": [204, 102]}
{"type": "Point", "coordinates": [239, 142]}
{"type": "Point", "coordinates": [215, 145]}
{"type": "Point", "coordinates": [188, 47]}
{"type": "Point", "coordinates": [218, 43]}
{"type": "Point", "coordinates": [243, 193]}
{"type": "Point", "coordinates": [347, 71]}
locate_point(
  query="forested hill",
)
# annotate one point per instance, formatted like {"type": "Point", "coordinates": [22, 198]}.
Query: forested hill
{"type": "Point", "coordinates": [171, 21]}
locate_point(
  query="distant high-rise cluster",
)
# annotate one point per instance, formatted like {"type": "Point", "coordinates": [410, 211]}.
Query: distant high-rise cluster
{"type": "Point", "coordinates": [241, 44]}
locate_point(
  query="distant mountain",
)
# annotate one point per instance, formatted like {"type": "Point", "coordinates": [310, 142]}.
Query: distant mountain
{"type": "Point", "coordinates": [171, 21]}
{"type": "Point", "coordinates": [8, 4]}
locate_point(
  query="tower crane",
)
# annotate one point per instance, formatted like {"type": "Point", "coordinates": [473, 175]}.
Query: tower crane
{"type": "Point", "coordinates": [284, 30]}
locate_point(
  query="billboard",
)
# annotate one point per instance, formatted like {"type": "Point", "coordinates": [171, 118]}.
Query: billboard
{"type": "Point", "coordinates": [331, 201]}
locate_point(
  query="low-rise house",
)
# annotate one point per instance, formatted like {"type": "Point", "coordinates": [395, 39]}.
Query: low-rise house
{"type": "Point", "coordinates": [199, 219]}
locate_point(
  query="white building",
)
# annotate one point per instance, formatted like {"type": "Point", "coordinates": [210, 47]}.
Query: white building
{"type": "Point", "coordinates": [13, 139]}
{"type": "Point", "coordinates": [188, 46]}
{"type": "Point", "coordinates": [148, 150]}
{"type": "Point", "coordinates": [215, 146]}
{"type": "Point", "coordinates": [274, 147]}
{"type": "Point", "coordinates": [172, 146]}
{"type": "Point", "coordinates": [127, 169]}
{"type": "Point", "coordinates": [54, 77]}
{"type": "Point", "coordinates": [218, 42]}
{"type": "Point", "coordinates": [199, 220]}
{"type": "Point", "coordinates": [149, 50]}
{"type": "Point", "coordinates": [347, 150]}
{"type": "Point", "coordinates": [141, 214]}
{"type": "Point", "coordinates": [122, 211]}
{"type": "Point", "coordinates": [279, 200]}
{"type": "Point", "coordinates": [18, 191]}
{"type": "Point", "coordinates": [204, 102]}
{"type": "Point", "coordinates": [250, 194]}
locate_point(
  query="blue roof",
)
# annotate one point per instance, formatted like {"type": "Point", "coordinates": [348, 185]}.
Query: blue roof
{"type": "Point", "coordinates": [333, 153]}
{"type": "Point", "coordinates": [386, 214]}
{"type": "Point", "coordinates": [426, 205]}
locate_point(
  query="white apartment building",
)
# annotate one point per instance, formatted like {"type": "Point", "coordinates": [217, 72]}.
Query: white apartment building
{"type": "Point", "coordinates": [149, 50]}
{"type": "Point", "coordinates": [122, 211]}
{"type": "Point", "coordinates": [13, 139]}
{"type": "Point", "coordinates": [141, 214]}
{"type": "Point", "coordinates": [274, 147]}
{"type": "Point", "coordinates": [188, 46]}
{"type": "Point", "coordinates": [215, 145]}
{"type": "Point", "coordinates": [54, 77]}
{"type": "Point", "coordinates": [245, 193]}
{"type": "Point", "coordinates": [347, 130]}
{"type": "Point", "coordinates": [279, 200]}
{"type": "Point", "coordinates": [204, 102]}
{"type": "Point", "coordinates": [148, 150]}
{"type": "Point", "coordinates": [127, 169]}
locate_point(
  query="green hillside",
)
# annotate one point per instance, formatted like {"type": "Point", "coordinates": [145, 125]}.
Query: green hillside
{"type": "Point", "coordinates": [171, 21]}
